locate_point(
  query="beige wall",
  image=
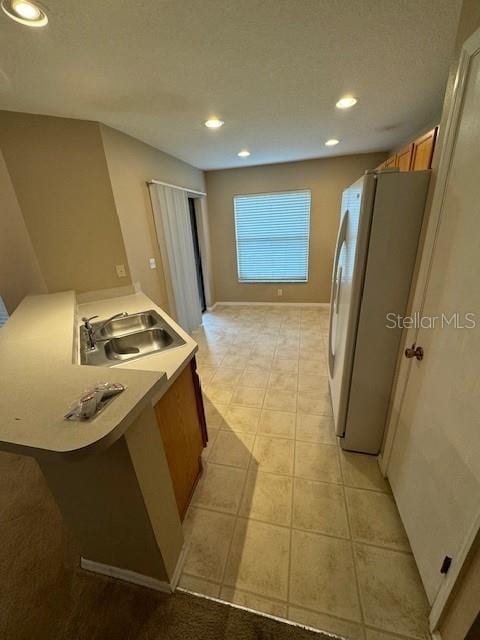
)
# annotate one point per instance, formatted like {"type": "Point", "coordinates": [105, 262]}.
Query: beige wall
{"type": "Point", "coordinates": [120, 502]}
{"type": "Point", "coordinates": [147, 453]}
{"type": "Point", "coordinates": [59, 173]}
{"type": "Point", "coordinates": [131, 163]}
{"type": "Point", "coordinates": [19, 270]}
{"type": "Point", "coordinates": [326, 178]}
{"type": "Point", "coordinates": [101, 500]}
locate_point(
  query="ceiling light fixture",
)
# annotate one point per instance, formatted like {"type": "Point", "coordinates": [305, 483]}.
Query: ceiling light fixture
{"type": "Point", "coordinates": [346, 102]}
{"type": "Point", "coordinates": [332, 142]}
{"type": "Point", "coordinates": [214, 123]}
{"type": "Point", "coordinates": [28, 13]}
{"type": "Point", "coordinates": [244, 153]}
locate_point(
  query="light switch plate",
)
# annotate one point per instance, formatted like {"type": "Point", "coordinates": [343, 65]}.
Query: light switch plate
{"type": "Point", "coordinates": [152, 263]}
{"type": "Point", "coordinates": [120, 269]}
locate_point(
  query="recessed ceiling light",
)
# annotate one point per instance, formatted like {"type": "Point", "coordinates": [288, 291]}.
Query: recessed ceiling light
{"type": "Point", "coordinates": [243, 153]}
{"type": "Point", "coordinates": [332, 142]}
{"type": "Point", "coordinates": [25, 12]}
{"type": "Point", "coordinates": [214, 123]}
{"type": "Point", "coordinates": [346, 102]}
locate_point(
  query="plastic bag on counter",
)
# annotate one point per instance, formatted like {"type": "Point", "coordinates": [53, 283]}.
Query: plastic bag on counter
{"type": "Point", "coordinates": [94, 400]}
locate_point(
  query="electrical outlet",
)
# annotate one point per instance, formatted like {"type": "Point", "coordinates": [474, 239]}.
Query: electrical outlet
{"type": "Point", "coordinates": [279, 292]}
{"type": "Point", "coordinates": [152, 263]}
{"type": "Point", "coordinates": [121, 272]}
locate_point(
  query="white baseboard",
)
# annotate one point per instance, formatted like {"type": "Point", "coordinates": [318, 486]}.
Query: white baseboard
{"type": "Point", "coordinates": [138, 578]}
{"type": "Point", "coordinates": [382, 465]}
{"type": "Point", "coordinates": [323, 305]}
{"type": "Point", "coordinates": [126, 575]}
{"type": "Point", "coordinates": [213, 307]}
{"type": "Point", "coordinates": [179, 568]}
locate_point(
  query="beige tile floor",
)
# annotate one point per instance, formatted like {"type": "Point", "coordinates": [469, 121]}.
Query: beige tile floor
{"type": "Point", "coordinates": [283, 521]}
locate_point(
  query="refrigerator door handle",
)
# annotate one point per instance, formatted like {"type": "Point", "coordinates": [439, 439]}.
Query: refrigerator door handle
{"type": "Point", "coordinates": [341, 237]}
{"type": "Point", "coordinates": [339, 286]}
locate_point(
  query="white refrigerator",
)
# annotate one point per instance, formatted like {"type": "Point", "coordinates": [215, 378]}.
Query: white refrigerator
{"type": "Point", "coordinates": [380, 222]}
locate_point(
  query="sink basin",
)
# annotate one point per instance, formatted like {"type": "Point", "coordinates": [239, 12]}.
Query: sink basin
{"type": "Point", "coordinates": [138, 344]}
{"type": "Point", "coordinates": [129, 324]}
{"type": "Point", "coordinates": [127, 338]}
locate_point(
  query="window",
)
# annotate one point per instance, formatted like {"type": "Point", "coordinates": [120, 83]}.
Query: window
{"type": "Point", "coordinates": [3, 312]}
{"type": "Point", "coordinates": [272, 232]}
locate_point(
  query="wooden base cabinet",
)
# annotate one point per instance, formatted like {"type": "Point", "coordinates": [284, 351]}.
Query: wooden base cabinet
{"type": "Point", "coordinates": [181, 420]}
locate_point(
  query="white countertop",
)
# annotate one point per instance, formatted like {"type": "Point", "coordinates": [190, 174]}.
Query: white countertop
{"type": "Point", "coordinates": [40, 378]}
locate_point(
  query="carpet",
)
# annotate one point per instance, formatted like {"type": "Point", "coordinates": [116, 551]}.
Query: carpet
{"type": "Point", "coordinates": [46, 596]}
{"type": "Point", "coordinates": [118, 611]}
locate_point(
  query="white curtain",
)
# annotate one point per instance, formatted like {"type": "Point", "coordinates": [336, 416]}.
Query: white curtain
{"type": "Point", "coordinates": [174, 233]}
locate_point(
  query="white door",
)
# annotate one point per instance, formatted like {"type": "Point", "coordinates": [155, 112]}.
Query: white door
{"type": "Point", "coordinates": [347, 280]}
{"type": "Point", "coordinates": [434, 468]}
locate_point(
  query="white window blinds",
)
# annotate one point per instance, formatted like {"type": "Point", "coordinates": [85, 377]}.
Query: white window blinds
{"type": "Point", "coordinates": [272, 233]}
{"type": "Point", "coordinates": [3, 312]}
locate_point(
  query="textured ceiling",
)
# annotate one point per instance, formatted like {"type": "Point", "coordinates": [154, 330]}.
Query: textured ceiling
{"type": "Point", "coordinates": [272, 69]}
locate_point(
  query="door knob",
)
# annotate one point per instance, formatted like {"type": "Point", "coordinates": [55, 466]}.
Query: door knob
{"type": "Point", "coordinates": [414, 352]}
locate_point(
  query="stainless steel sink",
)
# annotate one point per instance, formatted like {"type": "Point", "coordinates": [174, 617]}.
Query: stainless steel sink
{"type": "Point", "coordinates": [128, 324]}
{"type": "Point", "coordinates": [127, 338]}
{"type": "Point", "coordinates": [137, 344]}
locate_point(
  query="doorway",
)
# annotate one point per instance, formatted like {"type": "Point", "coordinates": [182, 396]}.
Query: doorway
{"type": "Point", "coordinates": [196, 251]}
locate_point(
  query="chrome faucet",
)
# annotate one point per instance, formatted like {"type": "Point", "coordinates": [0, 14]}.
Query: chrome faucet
{"type": "Point", "coordinates": [92, 331]}
{"type": "Point", "coordinates": [123, 314]}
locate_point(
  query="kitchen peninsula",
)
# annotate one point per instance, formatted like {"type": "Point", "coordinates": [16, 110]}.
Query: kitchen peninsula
{"type": "Point", "coordinates": [120, 479]}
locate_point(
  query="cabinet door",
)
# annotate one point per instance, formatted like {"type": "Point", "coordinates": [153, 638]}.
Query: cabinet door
{"type": "Point", "coordinates": [404, 158]}
{"type": "Point", "coordinates": [199, 400]}
{"type": "Point", "coordinates": [390, 163]}
{"type": "Point", "coordinates": [180, 426]}
{"type": "Point", "coordinates": [423, 150]}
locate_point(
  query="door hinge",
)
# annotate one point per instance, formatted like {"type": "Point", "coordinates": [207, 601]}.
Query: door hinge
{"type": "Point", "coordinates": [447, 561]}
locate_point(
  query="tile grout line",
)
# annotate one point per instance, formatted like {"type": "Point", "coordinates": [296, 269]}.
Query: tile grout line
{"type": "Point", "coordinates": [235, 524]}
{"type": "Point", "coordinates": [297, 324]}
{"type": "Point", "coordinates": [292, 501]}
{"type": "Point", "coordinates": [352, 550]}
{"type": "Point", "coordinates": [235, 515]}
{"type": "Point", "coordinates": [222, 582]}
{"type": "Point", "coordinates": [313, 532]}
{"type": "Point", "coordinates": [279, 601]}
{"type": "Point", "coordinates": [275, 600]}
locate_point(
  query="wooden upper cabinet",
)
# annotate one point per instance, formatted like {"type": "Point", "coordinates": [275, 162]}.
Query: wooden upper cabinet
{"type": "Point", "coordinates": [390, 163]}
{"type": "Point", "coordinates": [415, 156]}
{"type": "Point", "coordinates": [404, 158]}
{"type": "Point", "coordinates": [423, 150]}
